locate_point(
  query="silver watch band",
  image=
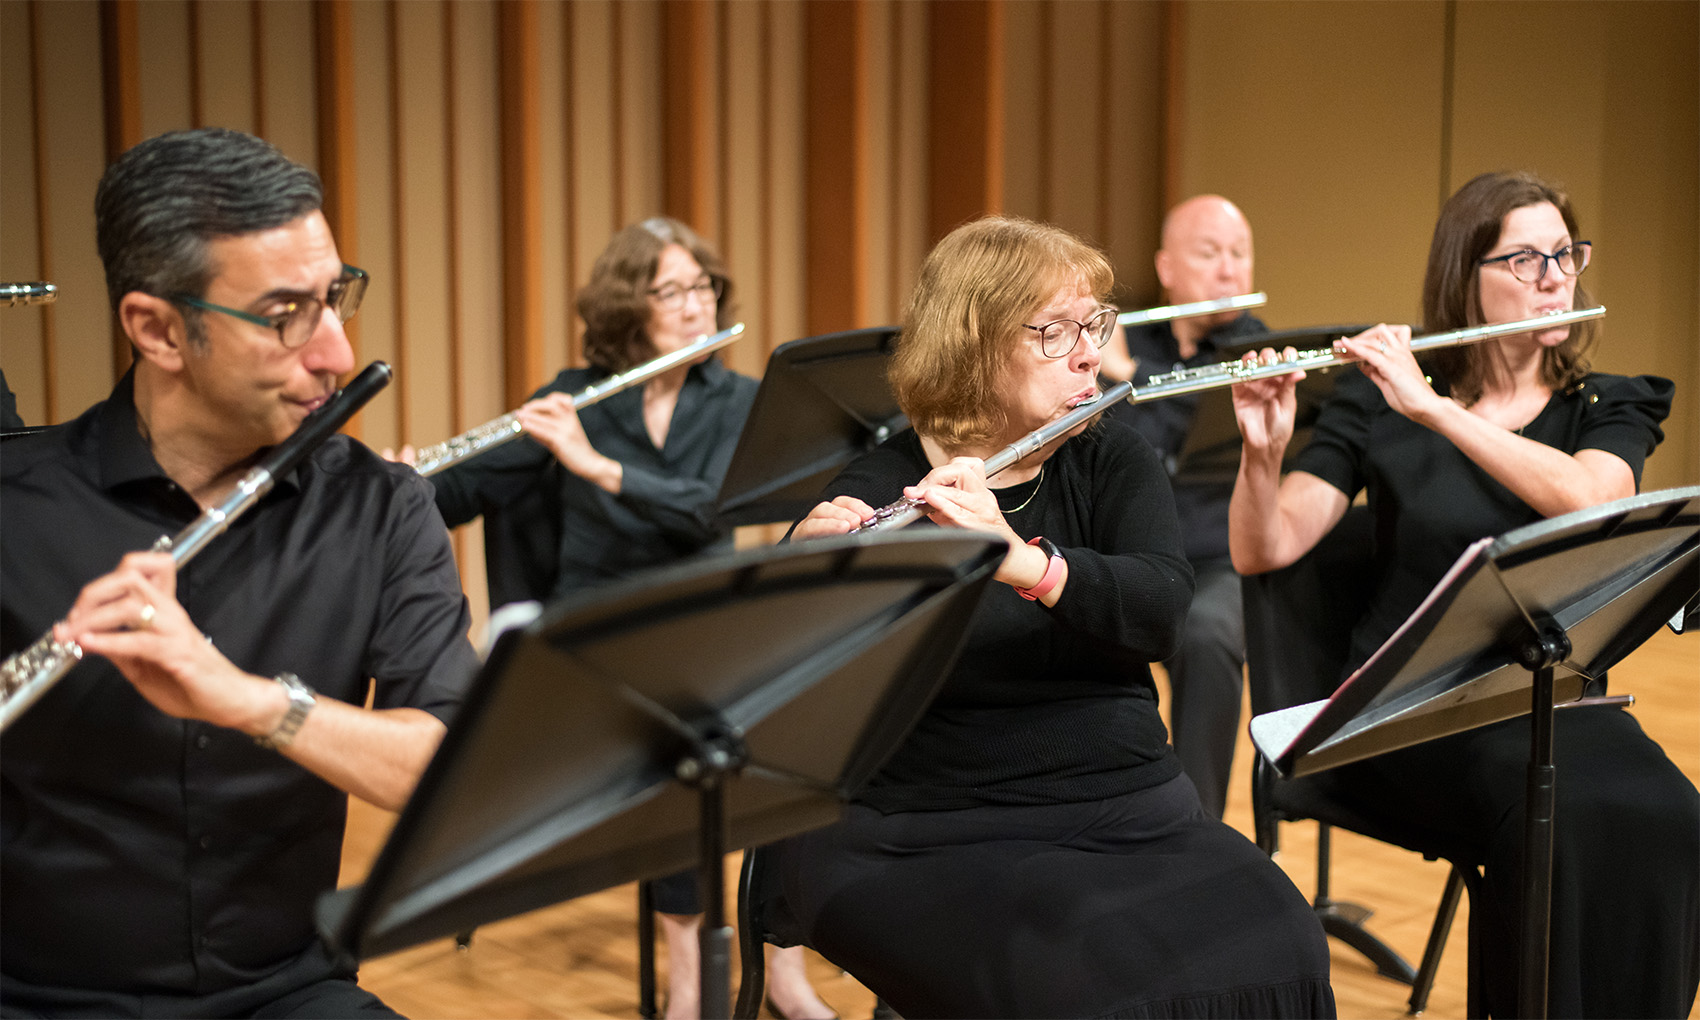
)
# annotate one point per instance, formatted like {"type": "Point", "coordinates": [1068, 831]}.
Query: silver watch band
{"type": "Point", "coordinates": [300, 703]}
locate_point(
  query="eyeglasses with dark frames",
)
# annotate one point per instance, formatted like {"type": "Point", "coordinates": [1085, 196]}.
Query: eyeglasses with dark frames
{"type": "Point", "coordinates": [671, 297]}
{"type": "Point", "coordinates": [1058, 338]}
{"type": "Point", "coordinates": [300, 317]}
{"type": "Point", "coordinates": [1530, 265]}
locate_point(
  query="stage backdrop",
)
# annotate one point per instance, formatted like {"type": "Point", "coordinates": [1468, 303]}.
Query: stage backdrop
{"type": "Point", "coordinates": [477, 155]}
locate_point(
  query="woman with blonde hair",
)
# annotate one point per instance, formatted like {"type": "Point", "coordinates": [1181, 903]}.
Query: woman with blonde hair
{"type": "Point", "coordinates": [1033, 848]}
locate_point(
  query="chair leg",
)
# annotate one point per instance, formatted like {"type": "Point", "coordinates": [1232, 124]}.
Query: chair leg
{"type": "Point", "coordinates": [1443, 917]}
{"type": "Point", "coordinates": [646, 952]}
{"type": "Point", "coordinates": [1475, 1004]}
{"type": "Point", "coordinates": [1345, 921]}
{"type": "Point", "coordinates": [752, 948]}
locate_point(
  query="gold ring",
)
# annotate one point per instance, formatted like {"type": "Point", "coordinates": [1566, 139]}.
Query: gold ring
{"type": "Point", "coordinates": [144, 619]}
{"type": "Point", "coordinates": [1384, 346]}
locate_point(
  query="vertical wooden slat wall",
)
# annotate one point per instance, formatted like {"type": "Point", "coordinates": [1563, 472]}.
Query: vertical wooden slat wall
{"type": "Point", "coordinates": [27, 352]}
{"type": "Point", "coordinates": [478, 155]}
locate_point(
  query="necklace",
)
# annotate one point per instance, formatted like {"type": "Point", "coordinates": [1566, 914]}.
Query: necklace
{"type": "Point", "coordinates": [1030, 495]}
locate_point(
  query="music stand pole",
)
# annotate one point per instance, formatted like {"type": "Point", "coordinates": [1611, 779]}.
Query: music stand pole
{"type": "Point", "coordinates": [1539, 654]}
{"type": "Point", "coordinates": [713, 762]}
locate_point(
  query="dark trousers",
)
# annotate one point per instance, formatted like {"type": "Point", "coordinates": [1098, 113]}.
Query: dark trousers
{"type": "Point", "coordinates": [1206, 676]}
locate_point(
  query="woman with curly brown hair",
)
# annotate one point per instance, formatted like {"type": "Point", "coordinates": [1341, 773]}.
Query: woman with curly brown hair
{"type": "Point", "coordinates": [629, 483]}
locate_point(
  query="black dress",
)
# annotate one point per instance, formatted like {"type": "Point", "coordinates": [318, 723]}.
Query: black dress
{"type": "Point", "coordinates": [1033, 849]}
{"type": "Point", "coordinates": [1626, 860]}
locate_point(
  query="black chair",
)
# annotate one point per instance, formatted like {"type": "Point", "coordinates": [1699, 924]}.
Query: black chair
{"type": "Point", "coordinates": [1298, 625]}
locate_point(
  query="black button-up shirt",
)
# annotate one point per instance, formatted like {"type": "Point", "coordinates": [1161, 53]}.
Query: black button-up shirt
{"type": "Point", "coordinates": [154, 856]}
{"type": "Point", "coordinates": [549, 532]}
{"type": "Point", "coordinates": [1165, 423]}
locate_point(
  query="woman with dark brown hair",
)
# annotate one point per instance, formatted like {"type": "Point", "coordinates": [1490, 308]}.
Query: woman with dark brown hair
{"type": "Point", "coordinates": [1033, 848]}
{"type": "Point", "coordinates": [1508, 432]}
{"type": "Point", "coordinates": [630, 483]}
{"type": "Point", "coordinates": [627, 485]}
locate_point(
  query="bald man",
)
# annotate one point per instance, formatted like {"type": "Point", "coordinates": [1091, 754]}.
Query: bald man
{"type": "Point", "coordinates": [1206, 254]}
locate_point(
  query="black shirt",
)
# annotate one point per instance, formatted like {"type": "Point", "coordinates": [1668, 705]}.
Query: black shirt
{"type": "Point", "coordinates": [9, 418]}
{"type": "Point", "coordinates": [1430, 501]}
{"type": "Point", "coordinates": [549, 532]}
{"type": "Point", "coordinates": [1051, 704]}
{"type": "Point", "coordinates": [153, 855]}
{"type": "Point", "coordinates": [1165, 423]}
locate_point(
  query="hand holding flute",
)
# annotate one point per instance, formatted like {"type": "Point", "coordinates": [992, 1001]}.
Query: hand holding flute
{"type": "Point", "coordinates": [132, 617]}
{"type": "Point", "coordinates": [557, 414]}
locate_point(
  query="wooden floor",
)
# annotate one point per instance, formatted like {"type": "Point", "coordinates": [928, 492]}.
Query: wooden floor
{"type": "Point", "coordinates": [579, 959]}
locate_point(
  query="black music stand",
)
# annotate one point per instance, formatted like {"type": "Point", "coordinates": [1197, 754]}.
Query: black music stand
{"type": "Point", "coordinates": [760, 688]}
{"type": "Point", "coordinates": [1518, 624]}
{"type": "Point", "coordinates": [823, 400]}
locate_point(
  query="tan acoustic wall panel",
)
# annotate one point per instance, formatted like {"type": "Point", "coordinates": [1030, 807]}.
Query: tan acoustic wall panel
{"type": "Point", "coordinates": [1322, 121]}
{"type": "Point", "coordinates": [23, 345]}
{"type": "Point", "coordinates": [73, 155]}
{"type": "Point", "coordinates": [224, 46]}
{"type": "Point", "coordinates": [167, 75]}
{"type": "Point", "coordinates": [1338, 126]}
{"type": "Point", "coordinates": [374, 102]}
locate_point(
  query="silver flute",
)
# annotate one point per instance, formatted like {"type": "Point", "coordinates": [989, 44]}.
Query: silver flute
{"type": "Point", "coordinates": [1209, 377]}
{"type": "Point", "coordinates": [503, 430]}
{"type": "Point", "coordinates": [1193, 308]}
{"type": "Point", "coordinates": [13, 294]}
{"type": "Point", "coordinates": [907, 511]}
{"type": "Point", "coordinates": [1227, 373]}
{"type": "Point", "coordinates": [25, 676]}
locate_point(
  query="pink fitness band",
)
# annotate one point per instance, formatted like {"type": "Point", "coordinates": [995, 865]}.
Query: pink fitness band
{"type": "Point", "coordinates": [1053, 570]}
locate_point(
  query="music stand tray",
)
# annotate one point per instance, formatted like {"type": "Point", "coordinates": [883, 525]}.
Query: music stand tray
{"type": "Point", "coordinates": [1607, 576]}
{"type": "Point", "coordinates": [823, 400]}
{"type": "Point", "coordinates": [1518, 625]}
{"type": "Point", "coordinates": [775, 680]}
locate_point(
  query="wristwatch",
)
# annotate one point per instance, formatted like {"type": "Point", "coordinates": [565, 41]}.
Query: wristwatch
{"type": "Point", "coordinates": [300, 703]}
{"type": "Point", "coordinates": [1053, 570]}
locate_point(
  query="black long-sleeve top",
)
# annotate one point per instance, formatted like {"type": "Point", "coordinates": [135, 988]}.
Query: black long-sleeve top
{"type": "Point", "coordinates": [549, 532]}
{"type": "Point", "coordinates": [1051, 704]}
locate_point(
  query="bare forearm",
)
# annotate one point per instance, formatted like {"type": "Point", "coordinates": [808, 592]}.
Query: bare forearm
{"type": "Point", "coordinates": [1274, 520]}
{"type": "Point", "coordinates": [1254, 520]}
{"type": "Point", "coordinates": [377, 756]}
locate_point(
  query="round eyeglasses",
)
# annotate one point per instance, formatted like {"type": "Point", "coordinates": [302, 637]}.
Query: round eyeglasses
{"type": "Point", "coordinates": [671, 297]}
{"type": "Point", "coordinates": [300, 316]}
{"type": "Point", "coordinates": [1530, 265]}
{"type": "Point", "coordinates": [1058, 338]}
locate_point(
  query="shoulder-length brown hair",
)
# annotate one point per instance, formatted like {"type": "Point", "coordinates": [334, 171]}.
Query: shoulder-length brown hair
{"type": "Point", "coordinates": [1469, 226]}
{"type": "Point", "coordinates": [963, 325]}
{"type": "Point", "coordinates": [615, 303]}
